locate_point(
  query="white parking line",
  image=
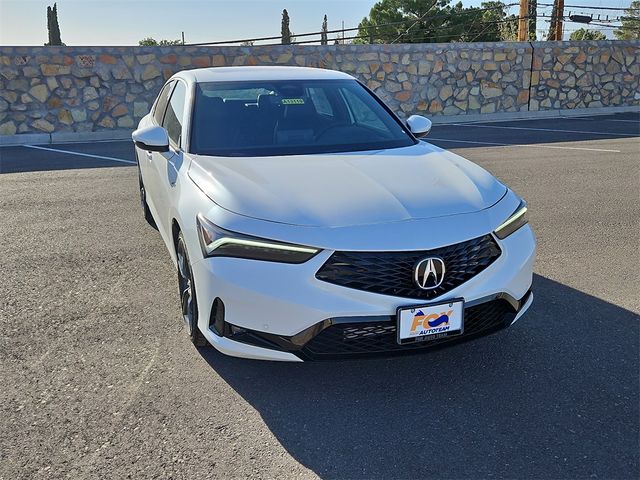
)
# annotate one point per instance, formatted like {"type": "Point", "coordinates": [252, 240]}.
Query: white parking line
{"type": "Point", "coordinates": [81, 154]}
{"type": "Point", "coordinates": [493, 144]}
{"type": "Point", "coordinates": [544, 130]}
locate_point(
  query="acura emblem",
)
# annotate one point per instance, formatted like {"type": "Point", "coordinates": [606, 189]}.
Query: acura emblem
{"type": "Point", "coordinates": [429, 273]}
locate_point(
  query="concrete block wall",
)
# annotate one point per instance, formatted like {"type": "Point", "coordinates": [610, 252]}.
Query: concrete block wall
{"type": "Point", "coordinates": [87, 89]}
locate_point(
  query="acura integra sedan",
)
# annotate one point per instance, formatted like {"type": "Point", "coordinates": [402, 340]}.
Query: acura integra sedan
{"type": "Point", "coordinates": [308, 222]}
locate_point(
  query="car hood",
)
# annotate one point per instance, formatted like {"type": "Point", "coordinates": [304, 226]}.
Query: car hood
{"type": "Point", "coordinates": [334, 190]}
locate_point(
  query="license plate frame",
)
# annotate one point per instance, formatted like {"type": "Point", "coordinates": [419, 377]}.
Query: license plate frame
{"type": "Point", "coordinates": [456, 304]}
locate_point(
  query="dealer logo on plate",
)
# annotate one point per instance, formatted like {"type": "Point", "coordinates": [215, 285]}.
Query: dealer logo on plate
{"type": "Point", "coordinates": [432, 323]}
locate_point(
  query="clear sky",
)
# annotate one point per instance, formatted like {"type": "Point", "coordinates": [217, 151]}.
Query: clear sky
{"type": "Point", "coordinates": [117, 22]}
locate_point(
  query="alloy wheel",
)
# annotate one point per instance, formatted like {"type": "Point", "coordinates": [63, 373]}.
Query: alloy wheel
{"type": "Point", "coordinates": [185, 281]}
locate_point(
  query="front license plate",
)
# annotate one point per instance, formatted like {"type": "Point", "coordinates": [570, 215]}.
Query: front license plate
{"type": "Point", "coordinates": [430, 322]}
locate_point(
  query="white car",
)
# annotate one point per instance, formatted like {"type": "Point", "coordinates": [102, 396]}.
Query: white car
{"type": "Point", "coordinates": [308, 222]}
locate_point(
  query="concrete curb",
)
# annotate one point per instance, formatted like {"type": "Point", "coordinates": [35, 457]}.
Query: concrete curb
{"type": "Point", "coordinates": [25, 139]}
{"type": "Point", "coordinates": [110, 135]}
{"type": "Point", "coordinates": [64, 137]}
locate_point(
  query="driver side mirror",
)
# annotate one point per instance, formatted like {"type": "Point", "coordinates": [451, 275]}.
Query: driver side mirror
{"type": "Point", "coordinates": [419, 125]}
{"type": "Point", "coordinates": [152, 139]}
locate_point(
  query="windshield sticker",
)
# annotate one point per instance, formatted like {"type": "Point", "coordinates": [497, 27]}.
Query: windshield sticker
{"type": "Point", "coordinates": [292, 101]}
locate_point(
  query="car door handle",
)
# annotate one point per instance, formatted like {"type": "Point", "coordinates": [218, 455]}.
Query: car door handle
{"type": "Point", "coordinates": [149, 155]}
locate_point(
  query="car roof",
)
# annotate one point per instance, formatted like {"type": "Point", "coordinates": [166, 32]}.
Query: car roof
{"type": "Point", "coordinates": [235, 74]}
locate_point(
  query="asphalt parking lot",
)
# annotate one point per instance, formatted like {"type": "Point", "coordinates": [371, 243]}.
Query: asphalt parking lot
{"type": "Point", "coordinates": [99, 379]}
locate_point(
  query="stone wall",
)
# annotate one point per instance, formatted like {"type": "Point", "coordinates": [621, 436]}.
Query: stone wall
{"type": "Point", "coordinates": [67, 89]}
{"type": "Point", "coordinates": [585, 75]}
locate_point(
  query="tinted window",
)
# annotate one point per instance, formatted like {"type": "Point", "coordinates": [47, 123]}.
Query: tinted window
{"type": "Point", "coordinates": [161, 103]}
{"type": "Point", "coordinates": [291, 118]}
{"type": "Point", "coordinates": [173, 118]}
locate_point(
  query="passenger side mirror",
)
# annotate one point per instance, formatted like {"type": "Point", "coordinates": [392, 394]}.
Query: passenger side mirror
{"type": "Point", "coordinates": [419, 125]}
{"type": "Point", "coordinates": [153, 139]}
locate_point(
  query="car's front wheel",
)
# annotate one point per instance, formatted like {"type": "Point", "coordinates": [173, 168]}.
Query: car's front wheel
{"type": "Point", "coordinates": [188, 301]}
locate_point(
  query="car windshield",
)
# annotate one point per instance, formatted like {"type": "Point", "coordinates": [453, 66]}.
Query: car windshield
{"type": "Point", "coordinates": [291, 117]}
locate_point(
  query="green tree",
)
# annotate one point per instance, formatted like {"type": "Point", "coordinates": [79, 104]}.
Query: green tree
{"type": "Point", "coordinates": [387, 21]}
{"type": "Point", "coordinates": [584, 34]}
{"type": "Point", "coordinates": [152, 42]}
{"type": "Point", "coordinates": [496, 25]}
{"type": "Point", "coordinates": [284, 30]}
{"type": "Point", "coordinates": [53, 27]}
{"type": "Point", "coordinates": [429, 21]}
{"type": "Point", "coordinates": [630, 28]}
{"type": "Point", "coordinates": [323, 33]}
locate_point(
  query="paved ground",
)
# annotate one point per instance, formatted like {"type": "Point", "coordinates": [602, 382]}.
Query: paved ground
{"type": "Point", "coordinates": [99, 379]}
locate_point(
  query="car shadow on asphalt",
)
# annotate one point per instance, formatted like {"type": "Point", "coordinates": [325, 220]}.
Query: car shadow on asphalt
{"type": "Point", "coordinates": [554, 396]}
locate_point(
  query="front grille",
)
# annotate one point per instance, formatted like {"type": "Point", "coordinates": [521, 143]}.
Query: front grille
{"type": "Point", "coordinates": [392, 273]}
{"type": "Point", "coordinates": [364, 338]}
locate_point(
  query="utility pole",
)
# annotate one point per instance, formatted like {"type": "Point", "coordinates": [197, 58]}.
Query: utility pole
{"type": "Point", "coordinates": [552, 22]}
{"type": "Point", "coordinates": [555, 28]}
{"type": "Point", "coordinates": [533, 19]}
{"type": "Point", "coordinates": [523, 23]}
{"type": "Point", "coordinates": [182, 38]}
{"type": "Point", "coordinates": [560, 14]}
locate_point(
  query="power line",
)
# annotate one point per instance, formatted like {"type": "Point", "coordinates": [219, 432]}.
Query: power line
{"type": "Point", "coordinates": [598, 28]}
{"type": "Point", "coordinates": [589, 7]}
{"type": "Point", "coordinates": [373, 27]}
{"type": "Point", "coordinates": [340, 30]}
{"type": "Point", "coordinates": [277, 37]}
{"type": "Point", "coordinates": [467, 12]}
{"type": "Point", "coordinates": [513, 20]}
{"type": "Point", "coordinates": [444, 34]}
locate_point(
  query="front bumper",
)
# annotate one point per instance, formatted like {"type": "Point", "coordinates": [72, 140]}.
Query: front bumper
{"type": "Point", "coordinates": [283, 312]}
{"type": "Point", "coordinates": [352, 337]}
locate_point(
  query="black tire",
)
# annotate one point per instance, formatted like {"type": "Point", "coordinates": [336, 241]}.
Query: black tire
{"type": "Point", "coordinates": [143, 202]}
{"type": "Point", "coordinates": [188, 300]}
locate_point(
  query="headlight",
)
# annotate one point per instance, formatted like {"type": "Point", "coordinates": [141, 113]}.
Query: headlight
{"type": "Point", "coordinates": [218, 242]}
{"type": "Point", "coordinates": [514, 222]}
